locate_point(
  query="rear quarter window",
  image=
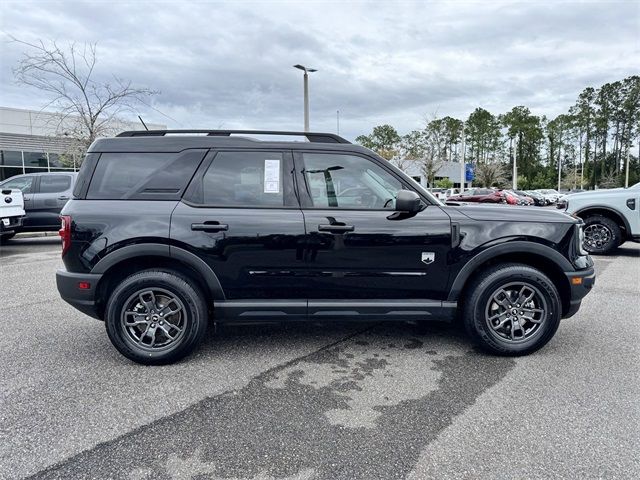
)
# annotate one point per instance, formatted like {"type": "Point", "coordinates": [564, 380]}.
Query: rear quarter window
{"type": "Point", "coordinates": [143, 176]}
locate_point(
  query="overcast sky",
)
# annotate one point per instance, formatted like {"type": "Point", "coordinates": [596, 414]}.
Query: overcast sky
{"type": "Point", "coordinates": [229, 64]}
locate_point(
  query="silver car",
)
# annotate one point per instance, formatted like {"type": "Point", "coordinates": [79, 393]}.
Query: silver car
{"type": "Point", "coordinates": [45, 194]}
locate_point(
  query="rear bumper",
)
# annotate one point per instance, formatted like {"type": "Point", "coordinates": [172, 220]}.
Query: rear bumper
{"type": "Point", "coordinates": [81, 299]}
{"type": "Point", "coordinates": [14, 223]}
{"type": "Point", "coordinates": [581, 283]}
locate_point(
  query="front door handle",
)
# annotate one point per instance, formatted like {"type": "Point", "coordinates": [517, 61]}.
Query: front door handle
{"type": "Point", "coordinates": [336, 228]}
{"type": "Point", "coordinates": [209, 227]}
{"type": "Point", "coordinates": [63, 198]}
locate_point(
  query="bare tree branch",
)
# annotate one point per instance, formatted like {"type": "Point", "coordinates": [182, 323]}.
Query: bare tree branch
{"type": "Point", "coordinates": [87, 106]}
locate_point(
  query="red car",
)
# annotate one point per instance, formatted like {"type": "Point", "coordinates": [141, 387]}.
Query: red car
{"type": "Point", "coordinates": [484, 195]}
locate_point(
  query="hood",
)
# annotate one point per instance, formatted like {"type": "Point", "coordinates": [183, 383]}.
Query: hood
{"type": "Point", "coordinates": [511, 213]}
{"type": "Point", "coordinates": [603, 191]}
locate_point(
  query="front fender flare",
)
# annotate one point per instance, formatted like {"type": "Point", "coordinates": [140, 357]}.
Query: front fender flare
{"type": "Point", "coordinates": [506, 248]}
{"type": "Point", "coordinates": [606, 209]}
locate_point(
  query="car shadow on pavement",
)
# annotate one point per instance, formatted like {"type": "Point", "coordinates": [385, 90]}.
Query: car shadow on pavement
{"type": "Point", "coordinates": [21, 246]}
{"type": "Point", "coordinates": [363, 407]}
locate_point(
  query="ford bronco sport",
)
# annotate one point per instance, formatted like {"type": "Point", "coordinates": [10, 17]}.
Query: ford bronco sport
{"type": "Point", "coordinates": [170, 230]}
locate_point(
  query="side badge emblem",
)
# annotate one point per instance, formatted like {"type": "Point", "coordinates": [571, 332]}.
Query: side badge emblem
{"type": "Point", "coordinates": [428, 257]}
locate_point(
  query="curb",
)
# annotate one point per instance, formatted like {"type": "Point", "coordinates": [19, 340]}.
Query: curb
{"type": "Point", "coordinates": [36, 234]}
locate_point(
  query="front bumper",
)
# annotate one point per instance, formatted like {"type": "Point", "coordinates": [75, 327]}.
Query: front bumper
{"type": "Point", "coordinates": [580, 283]}
{"type": "Point", "coordinates": [83, 299]}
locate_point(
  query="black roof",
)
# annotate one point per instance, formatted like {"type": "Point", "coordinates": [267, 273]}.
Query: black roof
{"type": "Point", "coordinates": [178, 140]}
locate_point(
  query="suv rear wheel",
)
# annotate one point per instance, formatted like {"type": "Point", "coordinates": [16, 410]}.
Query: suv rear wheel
{"type": "Point", "coordinates": [512, 309]}
{"type": "Point", "coordinates": [156, 317]}
{"type": "Point", "coordinates": [601, 235]}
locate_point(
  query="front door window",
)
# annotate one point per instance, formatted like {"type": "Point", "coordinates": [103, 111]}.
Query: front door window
{"type": "Point", "coordinates": [349, 182]}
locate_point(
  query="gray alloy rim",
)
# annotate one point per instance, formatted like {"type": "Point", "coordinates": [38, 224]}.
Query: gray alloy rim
{"type": "Point", "coordinates": [516, 312]}
{"type": "Point", "coordinates": [153, 319]}
{"type": "Point", "coordinates": [597, 236]}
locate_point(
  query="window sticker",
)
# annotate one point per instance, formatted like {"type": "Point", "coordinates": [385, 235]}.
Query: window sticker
{"type": "Point", "coordinates": [272, 176]}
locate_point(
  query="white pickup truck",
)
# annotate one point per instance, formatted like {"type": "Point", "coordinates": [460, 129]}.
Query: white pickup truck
{"type": "Point", "coordinates": [11, 212]}
{"type": "Point", "coordinates": [611, 217]}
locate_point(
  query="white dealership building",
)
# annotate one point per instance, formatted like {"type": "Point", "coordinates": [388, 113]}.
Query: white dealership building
{"type": "Point", "coordinates": [35, 141]}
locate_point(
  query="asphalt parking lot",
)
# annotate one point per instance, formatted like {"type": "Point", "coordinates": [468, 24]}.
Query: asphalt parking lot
{"type": "Point", "coordinates": [331, 401]}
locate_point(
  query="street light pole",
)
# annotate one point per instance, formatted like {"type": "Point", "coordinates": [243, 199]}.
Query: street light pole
{"type": "Point", "coordinates": [462, 165]}
{"type": "Point", "coordinates": [306, 93]}
{"type": "Point", "coordinates": [626, 175]}
{"type": "Point", "coordinates": [515, 166]}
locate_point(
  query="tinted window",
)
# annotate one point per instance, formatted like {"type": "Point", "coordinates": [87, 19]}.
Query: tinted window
{"type": "Point", "coordinates": [54, 183]}
{"type": "Point", "coordinates": [20, 183]}
{"type": "Point", "coordinates": [140, 176]}
{"type": "Point", "coordinates": [243, 179]}
{"type": "Point", "coordinates": [348, 181]}
{"type": "Point", "coordinates": [121, 174]}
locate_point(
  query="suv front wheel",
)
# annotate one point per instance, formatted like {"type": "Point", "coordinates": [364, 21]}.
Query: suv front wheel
{"type": "Point", "coordinates": [512, 309]}
{"type": "Point", "coordinates": [601, 235]}
{"type": "Point", "coordinates": [156, 317]}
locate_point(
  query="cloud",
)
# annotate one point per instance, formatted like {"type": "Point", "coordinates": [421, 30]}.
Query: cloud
{"type": "Point", "coordinates": [230, 63]}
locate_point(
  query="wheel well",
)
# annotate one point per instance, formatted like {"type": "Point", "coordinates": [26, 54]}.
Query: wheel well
{"type": "Point", "coordinates": [610, 214]}
{"type": "Point", "coordinates": [539, 262]}
{"type": "Point", "coordinates": [118, 272]}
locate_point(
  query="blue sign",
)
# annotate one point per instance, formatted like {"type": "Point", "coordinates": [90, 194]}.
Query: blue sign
{"type": "Point", "coordinates": [469, 174]}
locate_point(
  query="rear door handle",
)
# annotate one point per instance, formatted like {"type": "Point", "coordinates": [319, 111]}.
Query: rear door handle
{"type": "Point", "coordinates": [336, 228]}
{"type": "Point", "coordinates": [209, 227]}
{"type": "Point", "coordinates": [63, 198]}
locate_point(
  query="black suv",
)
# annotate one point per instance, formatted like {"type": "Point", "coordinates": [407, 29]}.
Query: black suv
{"type": "Point", "coordinates": [169, 230]}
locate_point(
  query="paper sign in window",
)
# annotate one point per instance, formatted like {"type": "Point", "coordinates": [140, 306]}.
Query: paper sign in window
{"type": "Point", "coordinates": [272, 176]}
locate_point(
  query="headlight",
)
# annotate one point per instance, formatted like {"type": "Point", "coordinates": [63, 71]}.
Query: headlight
{"type": "Point", "coordinates": [580, 236]}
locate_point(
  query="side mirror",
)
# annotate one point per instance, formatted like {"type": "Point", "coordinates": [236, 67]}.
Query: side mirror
{"type": "Point", "coordinates": [408, 201]}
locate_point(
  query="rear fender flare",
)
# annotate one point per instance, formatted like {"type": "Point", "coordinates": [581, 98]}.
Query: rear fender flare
{"type": "Point", "coordinates": [168, 251]}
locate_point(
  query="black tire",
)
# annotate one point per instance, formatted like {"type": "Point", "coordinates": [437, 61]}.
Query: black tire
{"type": "Point", "coordinates": [6, 236]}
{"type": "Point", "coordinates": [479, 310]}
{"type": "Point", "coordinates": [177, 334]}
{"type": "Point", "coordinates": [601, 235]}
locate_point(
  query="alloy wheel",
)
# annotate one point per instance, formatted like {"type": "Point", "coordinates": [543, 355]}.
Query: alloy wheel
{"type": "Point", "coordinates": [597, 236]}
{"type": "Point", "coordinates": [153, 319]}
{"type": "Point", "coordinates": [515, 312]}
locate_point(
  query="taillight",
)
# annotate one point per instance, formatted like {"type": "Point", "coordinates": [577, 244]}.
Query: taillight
{"type": "Point", "coordinates": [65, 232]}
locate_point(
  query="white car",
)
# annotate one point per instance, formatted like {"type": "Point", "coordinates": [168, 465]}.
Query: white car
{"type": "Point", "coordinates": [550, 195]}
{"type": "Point", "coordinates": [11, 212]}
{"type": "Point", "coordinates": [611, 217]}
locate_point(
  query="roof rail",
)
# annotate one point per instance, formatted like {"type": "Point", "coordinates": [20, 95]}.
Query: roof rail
{"type": "Point", "coordinates": [312, 137]}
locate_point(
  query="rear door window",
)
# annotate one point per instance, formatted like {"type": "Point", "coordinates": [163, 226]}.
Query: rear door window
{"type": "Point", "coordinates": [54, 183]}
{"type": "Point", "coordinates": [243, 179]}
